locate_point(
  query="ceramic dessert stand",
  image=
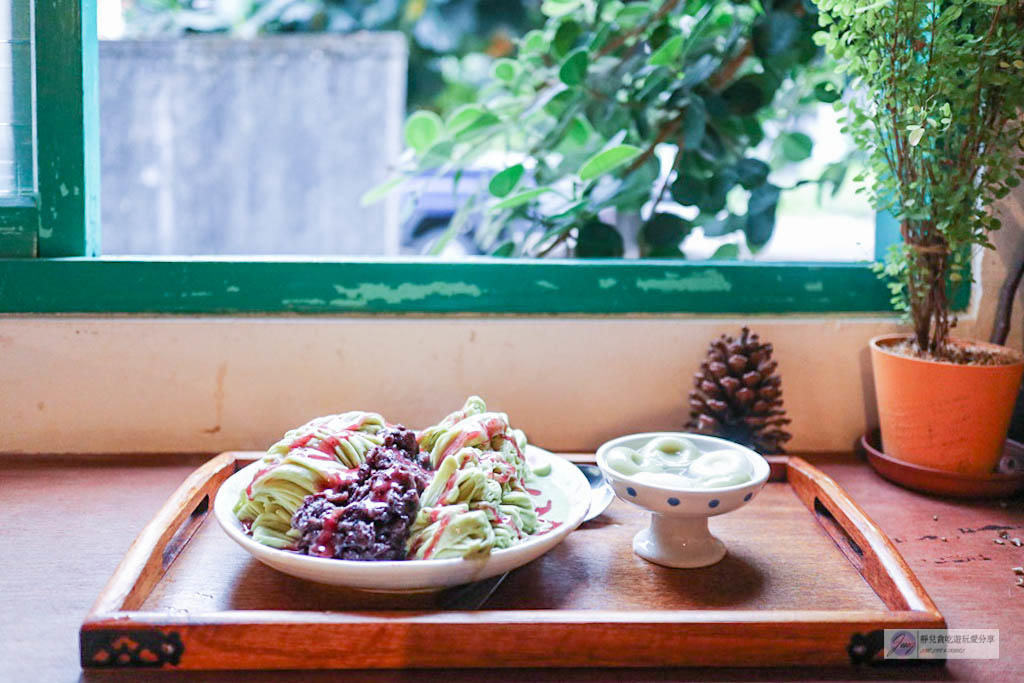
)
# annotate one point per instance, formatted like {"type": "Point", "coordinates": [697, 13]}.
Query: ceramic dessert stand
{"type": "Point", "coordinates": [678, 534]}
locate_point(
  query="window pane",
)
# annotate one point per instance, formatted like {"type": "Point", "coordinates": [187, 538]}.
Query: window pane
{"type": "Point", "coordinates": [216, 145]}
{"type": "Point", "coordinates": [220, 137]}
{"type": "Point", "coordinates": [16, 159]}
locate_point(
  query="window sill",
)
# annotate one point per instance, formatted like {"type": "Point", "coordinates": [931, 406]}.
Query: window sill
{"type": "Point", "coordinates": [248, 285]}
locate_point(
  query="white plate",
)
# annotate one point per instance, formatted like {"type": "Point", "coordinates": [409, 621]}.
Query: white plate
{"type": "Point", "coordinates": [565, 487]}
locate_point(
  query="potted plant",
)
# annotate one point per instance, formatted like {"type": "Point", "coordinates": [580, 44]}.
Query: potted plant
{"type": "Point", "coordinates": [942, 88]}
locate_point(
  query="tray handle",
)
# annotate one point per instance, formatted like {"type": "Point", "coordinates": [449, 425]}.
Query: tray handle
{"type": "Point", "coordinates": [163, 538]}
{"type": "Point", "coordinates": [860, 540]}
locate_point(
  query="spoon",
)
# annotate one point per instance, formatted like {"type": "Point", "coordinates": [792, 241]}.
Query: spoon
{"type": "Point", "coordinates": [601, 494]}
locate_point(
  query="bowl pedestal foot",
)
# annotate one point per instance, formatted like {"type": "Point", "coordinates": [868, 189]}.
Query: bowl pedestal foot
{"type": "Point", "coordinates": [683, 542]}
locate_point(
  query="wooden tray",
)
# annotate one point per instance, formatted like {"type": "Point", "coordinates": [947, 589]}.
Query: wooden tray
{"type": "Point", "coordinates": [809, 580]}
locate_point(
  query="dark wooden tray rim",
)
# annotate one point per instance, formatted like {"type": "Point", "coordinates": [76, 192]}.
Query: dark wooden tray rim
{"type": "Point", "coordinates": [118, 634]}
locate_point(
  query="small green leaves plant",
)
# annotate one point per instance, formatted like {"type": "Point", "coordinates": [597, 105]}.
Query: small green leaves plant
{"type": "Point", "coordinates": [940, 118]}
{"type": "Point", "coordinates": [614, 109]}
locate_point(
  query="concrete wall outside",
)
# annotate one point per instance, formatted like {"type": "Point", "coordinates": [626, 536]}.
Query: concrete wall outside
{"type": "Point", "coordinates": [212, 145]}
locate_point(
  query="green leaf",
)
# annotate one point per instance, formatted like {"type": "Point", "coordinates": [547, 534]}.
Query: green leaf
{"type": "Point", "coordinates": [662, 234]}
{"type": "Point", "coordinates": [632, 14]}
{"type": "Point", "coordinates": [754, 130]}
{"type": "Point", "coordinates": [826, 92]}
{"type": "Point", "coordinates": [520, 198]}
{"type": "Point", "coordinates": [505, 249]}
{"type": "Point", "coordinates": [600, 37]}
{"type": "Point", "coordinates": [608, 118]}
{"type": "Point", "coordinates": [723, 226]}
{"type": "Point", "coordinates": [436, 155]}
{"type": "Point", "coordinates": [659, 35]}
{"type": "Point", "coordinates": [559, 8]}
{"type": "Point", "coordinates": [774, 33]}
{"type": "Point", "coordinates": [565, 37]}
{"type": "Point", "coordinates": [668, 53]}
{"type": "Point", "coordinates": [463, 117]}
{"type": "Point", "coordinates": [422, 129]}
{"type": "Point", "coordinates": [656, 83]}
{"type": "Point", "coordinates": [505, 181]}
{"type": "Point", "coordinates": [759, 227]}
{"type": "Point", "coordinates": [558, 102]}
{"type": "Point", "coordinates": [598, 240]}
{"type": "Point", "coordinates": [717, 189]}
{"type": "Point", "coordinates": [568, 209]}
{"type": "Point", "coordinates": [378, 192]}
{"type": "Point", "coordinates": [506, 70]}
{"type": "Point", "coordinates": [708, 195]}
{"type": "Point", "coordinates": [534, 41]}
{"type": "Point", "coordinates": [796, 146]}
{"type": "Point", "coordinates": [726, 252]}
{"type": "Point", "coordinates": [688, 190]}
{"type": "Point", "coordinates": [578, 132]}
{"type": "Point", "coordinates": [695, 121]}
{"type": "Point", "coordinates": [763, 199]}
{"type": "Point", "coordinates": [751, 172]}
{"type": "Point", "coordinates": [745, 96]}
{"type": "Point", "coordinates": [608, 160]}
{"type": "Point", "coordinates": [950, 14]}
{"type": "Point", "coordinates": [700, 70]}
{"type": "Point", "coordinates": [574, 67]}
{"type": "Point", "coordinates": [482, 122]}
{"type": "Point", "coordinates": [915, 136]}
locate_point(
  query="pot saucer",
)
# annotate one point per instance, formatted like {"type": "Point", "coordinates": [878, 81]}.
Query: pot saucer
{"type": "Point", "coordinates": [928, 480]}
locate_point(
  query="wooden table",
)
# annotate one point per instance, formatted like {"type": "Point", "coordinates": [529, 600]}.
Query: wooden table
{"type": "Point", "coordinates": [67, 520]}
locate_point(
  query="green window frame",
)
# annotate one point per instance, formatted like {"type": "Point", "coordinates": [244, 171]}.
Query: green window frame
{"type": "Point", "coordinates": [50, 258]}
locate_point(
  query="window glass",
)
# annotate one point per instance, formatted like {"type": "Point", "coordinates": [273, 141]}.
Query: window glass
{"type": "Point", "coordinates": [254, 127]}
{"type": "Point", "coordinates": [17, 177]}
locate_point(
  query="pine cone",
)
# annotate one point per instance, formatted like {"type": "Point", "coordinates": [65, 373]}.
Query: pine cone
{"type": "Point", "coordinates": [738, 396]}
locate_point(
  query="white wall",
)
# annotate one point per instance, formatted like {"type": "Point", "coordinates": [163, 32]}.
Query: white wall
{"type": "Point", "coordinates": [163, 384]}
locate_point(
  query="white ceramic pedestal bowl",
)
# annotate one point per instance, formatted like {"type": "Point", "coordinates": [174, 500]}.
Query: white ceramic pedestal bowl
{"type": "Point", "coordinates": [678, 535]}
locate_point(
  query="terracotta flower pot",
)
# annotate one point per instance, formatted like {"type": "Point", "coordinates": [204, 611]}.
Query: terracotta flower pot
{"type": "Point", "coordinates": [943, 415]}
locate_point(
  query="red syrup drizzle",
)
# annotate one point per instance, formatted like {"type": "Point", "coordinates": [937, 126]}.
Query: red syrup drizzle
{"type": "Point", "coordinates": [485, 431]}
{"type": "Point", "coordinates": [334, 479]}
{"type": "Point", "coordinates": [437, 536]}
{"type": "Point", "coordinates": [317, 455]}
{"type": "Point", "coordinates": [532, 492]}
{"type": "Point", "coordinates": [324, 545]}
{"type": "Point", "coordinates": [545, 509]}
{"type": "Point", "coordinates": [328, 443]}
{"type": "Point", "coordinates": [342, 478]}
{"type": "Point", "coordinates": [269, 468]}
{"type": "Point", "coordinates": [554, 525]}
{"type": "Point", "coordinates": [449, 485]}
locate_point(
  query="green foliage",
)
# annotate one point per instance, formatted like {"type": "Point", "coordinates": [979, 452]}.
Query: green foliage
{"type": "Point", "coordinates": [435, 28]}
{"type": "Point", "coordinates": [613, 109]}
{"type": "Point", "coordinates": [422, 129]}
{"type": "Point", "coordinates": [943, 88]}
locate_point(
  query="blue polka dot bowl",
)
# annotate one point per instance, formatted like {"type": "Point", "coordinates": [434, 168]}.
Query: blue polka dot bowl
{"type": "Point", "coordinates": [678, 535]}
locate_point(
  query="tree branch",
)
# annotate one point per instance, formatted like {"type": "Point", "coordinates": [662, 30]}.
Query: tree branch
{"type": "Point", "coordinates": [668, 176]}
{"type": "Point", "coordinates": [721, 78]}
{"type": "Point", "coordinates": [621, 40]}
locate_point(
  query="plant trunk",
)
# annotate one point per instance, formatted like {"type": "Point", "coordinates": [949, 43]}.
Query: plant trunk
{"type": "Point", "coordinates": [928, 272]}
